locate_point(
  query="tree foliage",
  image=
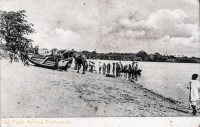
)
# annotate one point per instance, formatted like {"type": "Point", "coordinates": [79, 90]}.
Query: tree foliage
{"type": "Point", "coordinates": [14, 28]}
{"type": "Point", "coordinates": [142, 54]}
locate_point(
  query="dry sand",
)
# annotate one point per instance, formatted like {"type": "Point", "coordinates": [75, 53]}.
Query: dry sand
{"type": "Point", "coordinates": [29, 91]}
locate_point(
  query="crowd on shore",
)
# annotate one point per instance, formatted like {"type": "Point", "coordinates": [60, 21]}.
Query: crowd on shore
{"type": "Point", "coordinates": [129, 72]}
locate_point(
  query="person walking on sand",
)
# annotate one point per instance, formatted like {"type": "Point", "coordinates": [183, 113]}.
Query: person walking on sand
{"type": "Point", "coordinates": [194, 95]}
{"type": "Point", "coordinates": [11, 57]}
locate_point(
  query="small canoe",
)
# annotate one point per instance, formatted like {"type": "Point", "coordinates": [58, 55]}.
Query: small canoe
{"type": "Point", "coordinates": [41, 62]}
{"type": "Point", "coordinates": [135, 72]}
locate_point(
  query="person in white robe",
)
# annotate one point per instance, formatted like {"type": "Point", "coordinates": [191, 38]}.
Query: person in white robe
{"type": "Point", "coordinates": [194, 87]}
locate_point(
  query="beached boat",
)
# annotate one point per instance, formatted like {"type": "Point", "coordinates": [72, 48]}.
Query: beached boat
{"type": "Point", "coordinates": [49, 63]}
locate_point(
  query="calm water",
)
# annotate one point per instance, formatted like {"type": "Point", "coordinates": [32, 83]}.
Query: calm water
{"type": "Point", "coordinates": [168, 79]}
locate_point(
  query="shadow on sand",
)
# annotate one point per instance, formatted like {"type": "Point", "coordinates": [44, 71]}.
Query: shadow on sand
{"type": "Point", "coordinates": [179, 110]}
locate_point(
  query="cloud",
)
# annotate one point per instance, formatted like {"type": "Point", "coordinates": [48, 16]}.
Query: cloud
{"type": "Point", "coordinates": [171, 22]}
{"type": "Point", "coordinates": [117, 26]}
{"type": "Point", "coordinates": [61, 39]}
{"type": "Point", "coordinates": [160, 24]}
{"type": "Point", "coordinates": [59, 24]}
{"type": "Point", "coordinates": [182, 46]}
{"type": "Point", "coordinates": [165, 29]}
{"type": "Point", "coordinates": [60, 33]}
{"type": "Point", "coordinates": [193, 2]}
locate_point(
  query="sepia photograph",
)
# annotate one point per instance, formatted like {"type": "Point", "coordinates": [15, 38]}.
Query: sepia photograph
{"type": "Point", "coordinates": [99, 58]}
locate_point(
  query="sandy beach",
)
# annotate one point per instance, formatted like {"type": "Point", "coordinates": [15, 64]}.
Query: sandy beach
{"type": "Point", "coordinates": [29, 91]}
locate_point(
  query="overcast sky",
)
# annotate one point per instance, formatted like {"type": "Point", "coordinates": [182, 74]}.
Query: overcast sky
{"type": "Point", "coordinates": [164, 26]}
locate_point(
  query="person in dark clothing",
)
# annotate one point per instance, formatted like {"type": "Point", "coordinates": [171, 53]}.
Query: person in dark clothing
{"type": "Point", "coordinates": [129, 72]}
{"type": "Point", "coordinates": [25, 59]}
{"type": "Point", "coordinates": [11, 55]}
{"type": "Point", "coordinates": [113, 70]}
{"type": "Point", "coordinates": [100, 67]}
{"type": "Point", "coordinates": [108, 68]}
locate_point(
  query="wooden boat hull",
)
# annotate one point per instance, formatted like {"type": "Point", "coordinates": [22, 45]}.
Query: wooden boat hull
{"type": "Point", "coordinates": [49, 64]}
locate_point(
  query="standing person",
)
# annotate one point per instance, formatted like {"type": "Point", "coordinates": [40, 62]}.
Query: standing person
{"type": "Point", "coordinates": [108, 68]}
{"type": "Point", "coordinates": [90, 66]}
{"type": "Point", "coordinates": [194, 95]}
{"type": "Point", "coordinates": [118, 70]}
{"type": "Point", "coordinates": [22, 57]}
{"type": "Point", "coordinates": [136, 66]}
{"type": "Point", "coordinates": [100, 67]}
{"type": "Point", "coordinates": [113, 70]}
{"type": "Point", "coordinates": [125, 70]}
{"type": "Point", "coordinates": [121, 70]}
{"type": "Point", "coordinates": [129, 72]}
{"type": "Point", "coordinates": [86, 65]}
{"type": "Point", "coordinates": [132, 71]}
{"type": "Point", "coordinates": [11, 57]}
{"type": "Point", "coordinates": [104, 68]}
{"type": "Point", "coordinates": [133, 65]}
{"type": "Point", "coordinates": [94, 67]}
{"type": "Point", "coordinates": [26, 60]}
{"type": "Point", "coordinates": [56, 62]}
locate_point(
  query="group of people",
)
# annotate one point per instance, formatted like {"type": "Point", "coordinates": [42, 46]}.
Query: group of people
{"type": "Point", "coordinates": [15, 56]}
{"type": "Point", "coordinates": [127, 71]}
{"type": "Point", "coordinates": [117, 69]}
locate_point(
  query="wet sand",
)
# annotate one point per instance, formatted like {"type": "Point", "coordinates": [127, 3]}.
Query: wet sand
{"type": "Point", "coordinates": [29, 91]}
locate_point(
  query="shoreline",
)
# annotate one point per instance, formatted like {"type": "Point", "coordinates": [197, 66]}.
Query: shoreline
{"type": "Point", "coordinates": [171, 100]}
{"type": "Point", "coordinates": [141, 61]}
{"type": "Point", "coordinates": [60, 93]}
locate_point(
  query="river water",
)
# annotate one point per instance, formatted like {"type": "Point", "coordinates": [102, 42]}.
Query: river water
{"type": "Point", "coordinates": [167, 79]}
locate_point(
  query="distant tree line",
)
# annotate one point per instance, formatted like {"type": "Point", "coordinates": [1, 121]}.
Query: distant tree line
{"type": "Point", "coordinates": [140, 56]}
